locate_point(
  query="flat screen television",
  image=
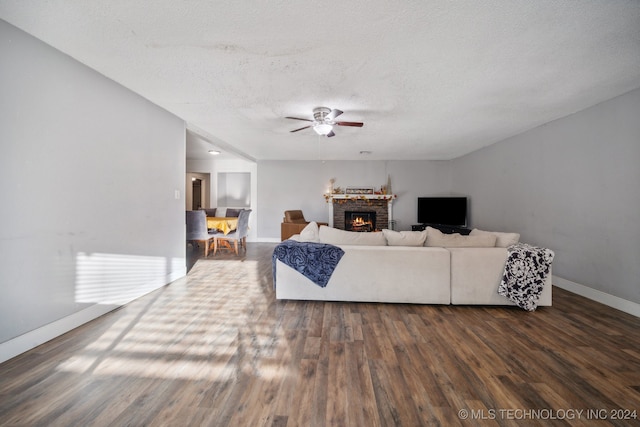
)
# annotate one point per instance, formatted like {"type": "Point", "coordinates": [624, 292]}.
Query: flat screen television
{"type": "Point", "coordinates": [443, 211]}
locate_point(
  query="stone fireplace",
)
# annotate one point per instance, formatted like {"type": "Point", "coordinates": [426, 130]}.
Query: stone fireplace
{"type": "Point", "coordinates": [370, 212]}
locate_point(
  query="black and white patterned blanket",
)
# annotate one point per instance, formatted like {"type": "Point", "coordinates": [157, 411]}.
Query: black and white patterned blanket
{"type": "Point", "coordinates": [316, 261]}
{"type": "Point", "coordinates": [525, 271]}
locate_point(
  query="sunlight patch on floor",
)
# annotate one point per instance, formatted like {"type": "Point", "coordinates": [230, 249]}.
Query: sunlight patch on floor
{"type": "Point", "coordinates": [192, 331]}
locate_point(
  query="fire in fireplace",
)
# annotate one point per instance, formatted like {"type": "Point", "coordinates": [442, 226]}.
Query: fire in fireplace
{"type": "Point", "coordinates": [359, 221]}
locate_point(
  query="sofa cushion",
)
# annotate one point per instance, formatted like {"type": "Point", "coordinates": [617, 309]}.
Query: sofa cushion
{"type": "Point", "coordinates": [503, 240]}
{"type": "Point", "coordinates": [405, 238]}
{"type": "Point", "coordinates": [334, 236]}
{"type": "Point", "coordinates": [436, 238]}
{"type": "Point", "coordinates": [310, 233]}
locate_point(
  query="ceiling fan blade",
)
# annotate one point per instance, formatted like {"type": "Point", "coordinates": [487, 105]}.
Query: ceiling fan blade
{"type": "Point", "coordinates": [356, 124]}
{"type": "Point", "coordinates": [297, 118]}
{"type": "Point", "coordinates": [330, 134]}
{"type": "Point", "coordinates": [333, 114]}
{"type": "Point", "coordinates": [296, 130]}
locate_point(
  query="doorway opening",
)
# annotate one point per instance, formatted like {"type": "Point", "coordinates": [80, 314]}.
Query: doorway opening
{"type": "Point", "coordinates": [196, 189]}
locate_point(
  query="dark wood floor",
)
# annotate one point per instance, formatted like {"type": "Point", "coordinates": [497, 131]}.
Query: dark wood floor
{"type": "Point", "coordinates": [216, 348]}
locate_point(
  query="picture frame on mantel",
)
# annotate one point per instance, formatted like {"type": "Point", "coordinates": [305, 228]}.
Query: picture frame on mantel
{"type": "Point", "coordinates": [359, 190]}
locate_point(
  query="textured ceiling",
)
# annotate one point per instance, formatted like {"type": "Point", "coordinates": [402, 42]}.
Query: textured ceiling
{"type": "Point", "coordinates": [430, 79]}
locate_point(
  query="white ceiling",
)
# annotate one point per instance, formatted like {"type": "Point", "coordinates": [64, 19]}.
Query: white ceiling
{"type": "Point", "coordinates": [430, 79]}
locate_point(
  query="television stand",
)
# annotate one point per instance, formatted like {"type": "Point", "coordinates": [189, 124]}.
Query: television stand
{"type": "Point", "coordinates": [447, 229]}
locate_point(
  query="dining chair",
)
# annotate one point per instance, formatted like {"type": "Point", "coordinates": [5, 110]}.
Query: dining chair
{"type": "Point", "coordinates": [237, 236]}
{"type": "Point", "coordinates": [197, 229]}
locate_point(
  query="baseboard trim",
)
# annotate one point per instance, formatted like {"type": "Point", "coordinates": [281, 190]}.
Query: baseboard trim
{"type": "Point", "coordinates": [30, 340]}
{"type": "Point", "coordinates": [598, 296]}
{"type": "Point", "coordinates": [178, 274]}
{"type": "Point", "coordinates": [268, 239]}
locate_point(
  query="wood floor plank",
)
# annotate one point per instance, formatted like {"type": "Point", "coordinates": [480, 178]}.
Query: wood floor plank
{"type": "Point", "coordinates": [360, 392]}
{"type": "Point", "coordinates": [287, 373]}
{"type": "Point", "coordinates": [306, 391]}
{"type": "Point", "coordinates": [419, 383]}
{"type": "Point", "coordinates": [337, 410]}
{"type": "Point", "coordinates": [216, 348]}
{"type": "Point", "coordinates": [388, 411]}
{"type": "Point", "coordinates": [321, 390]}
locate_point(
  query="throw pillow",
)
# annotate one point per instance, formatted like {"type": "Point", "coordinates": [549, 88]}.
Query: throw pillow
{"type": "Point", "coordinates": [334, 236]}
{"type": "Point", "coordinates": [310, 233]}
{"type": "Point", "coordinates": [503, 240]}
{"type": "Point", "coordinates": [405, 238]}
{"type": "Point", "coordinates": [436, 238]}
{"type": "Point", "coordinates": [433, 234]}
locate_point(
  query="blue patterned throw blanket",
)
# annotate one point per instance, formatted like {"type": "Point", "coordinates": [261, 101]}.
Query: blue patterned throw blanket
{"type": "Point", "coordinates": [525, 271]}
{"type": "Point", "coordinates": [316, 261]}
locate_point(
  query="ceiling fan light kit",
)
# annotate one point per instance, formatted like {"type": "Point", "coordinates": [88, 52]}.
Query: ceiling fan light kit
{"type": "Point", "coordinates": [323, 128]}
{"type": "Point", "coordinates": [324, 120]}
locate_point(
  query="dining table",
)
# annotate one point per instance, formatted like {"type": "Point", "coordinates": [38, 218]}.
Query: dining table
{"type": "Point", "coordinates": [224, 224]}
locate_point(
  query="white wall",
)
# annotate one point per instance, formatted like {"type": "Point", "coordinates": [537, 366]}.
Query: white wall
{"type": "Point", "coordinates": [90, 173]}
{"type": "Point", "coordinates": [570, 185]}
{"type": "Point", "coordinates": [285, 185]}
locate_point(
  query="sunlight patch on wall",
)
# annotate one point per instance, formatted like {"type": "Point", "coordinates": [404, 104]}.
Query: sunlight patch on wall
{"type": "Point", "coordinates": [118, 279]}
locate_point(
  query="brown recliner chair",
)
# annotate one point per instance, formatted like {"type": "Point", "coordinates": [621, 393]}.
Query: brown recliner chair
{"type": "Point", "coordinates": [293, 223]}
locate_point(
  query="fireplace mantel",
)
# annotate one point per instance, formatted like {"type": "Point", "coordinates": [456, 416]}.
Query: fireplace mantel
{"type": "Point", "coordinates": [346, 199]}
{"type": "Point", "coordinates": [331, 197]}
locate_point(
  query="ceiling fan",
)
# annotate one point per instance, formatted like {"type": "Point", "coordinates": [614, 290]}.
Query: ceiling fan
{"type": "Point", "coordinates": [324, 121]}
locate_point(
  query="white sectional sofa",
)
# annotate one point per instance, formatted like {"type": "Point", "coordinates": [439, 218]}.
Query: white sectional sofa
{"type": "Point", "coordinates": [476, 274]}
{"type": "Point", "coordinates": [407, 267]}
{"type": "Point", "coordinates": [376, 273]}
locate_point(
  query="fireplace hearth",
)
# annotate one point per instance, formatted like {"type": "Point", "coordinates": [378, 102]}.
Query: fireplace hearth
{"type": "Point", "coordinates": [363, 221]}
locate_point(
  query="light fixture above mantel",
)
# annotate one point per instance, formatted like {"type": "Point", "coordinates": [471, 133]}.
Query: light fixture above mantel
{"type": "Point", "coordinates": [214, 152]}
